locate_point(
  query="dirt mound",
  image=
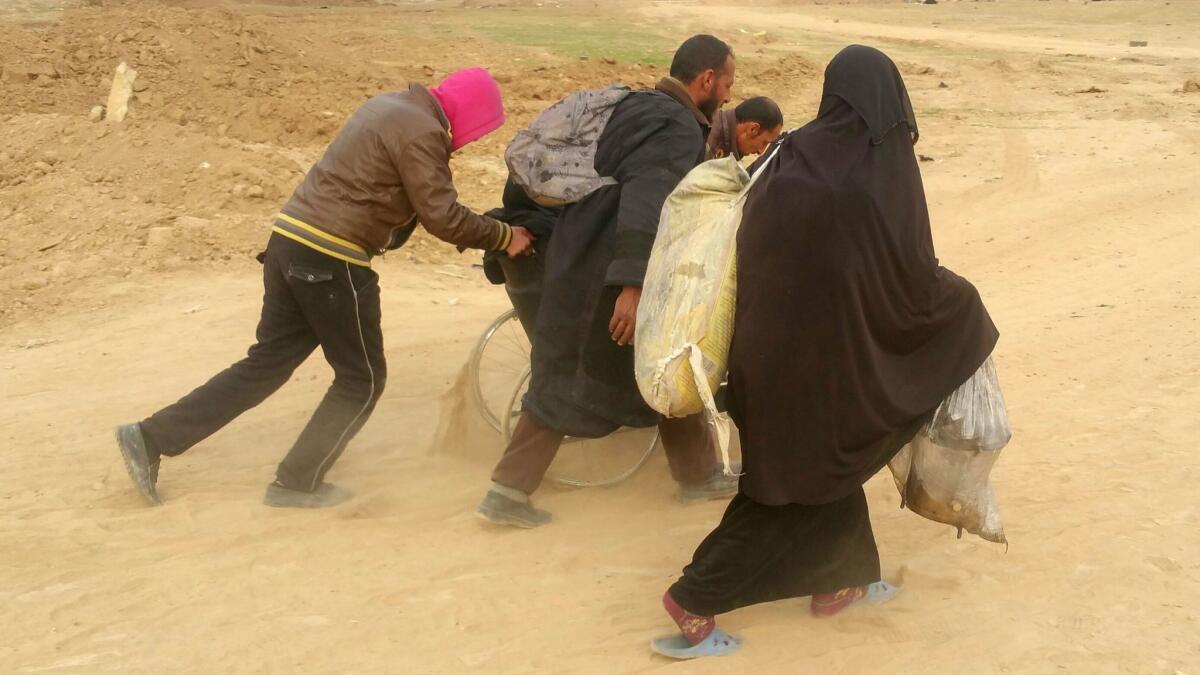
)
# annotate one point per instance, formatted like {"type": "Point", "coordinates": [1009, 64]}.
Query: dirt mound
{"type": "Point", "coordinates": [790, 76]}
{"type": "Point", "coordinates": [89, 201]}
{"type": "Point", "coordinates": [228, 112]}
{"type": "Point", "coordinates": [913, 69]}
{"type": "Point", "coordinates": [783, 69]}
{"type": "Point", "coordinates": [265, 79]}
{"type": "Point", "coordinates": [227, 73]}
{"type": "Point", "coordinates": [549, 82]}
{"type": "Point", "coordinates": [1003, 66]}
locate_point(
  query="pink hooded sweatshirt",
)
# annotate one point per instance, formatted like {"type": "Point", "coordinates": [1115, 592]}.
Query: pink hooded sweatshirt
{"type": "Point", "coordinates": [471, 100]}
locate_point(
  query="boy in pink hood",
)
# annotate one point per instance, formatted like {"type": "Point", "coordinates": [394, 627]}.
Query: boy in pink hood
{"type": "Point", "coordinates": [471, 101]}
{"type": "Point", "coordinates": [387, 170]}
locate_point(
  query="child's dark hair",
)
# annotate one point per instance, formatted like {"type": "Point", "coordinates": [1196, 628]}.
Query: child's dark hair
{"type": "Point", "coordinates": [759, 109]}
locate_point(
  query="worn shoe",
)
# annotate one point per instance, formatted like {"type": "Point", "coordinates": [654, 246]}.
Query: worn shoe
{"type": "Point", "coordinates": [503, 510]}
{"type": "Point", "coordinates": [718, 486]}
{"type": "Point", "coordinates": [140, 463]}
{"type": "Point", "coordinates": [326, 495]}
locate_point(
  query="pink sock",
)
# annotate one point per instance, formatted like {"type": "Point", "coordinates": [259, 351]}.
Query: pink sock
{"type": "Point", "coordinates": [694, 628]}
{"type": "Point", "coordinates": [828, 604]}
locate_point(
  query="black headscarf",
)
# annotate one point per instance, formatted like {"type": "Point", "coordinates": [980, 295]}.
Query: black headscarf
{"type": "Point", "coordinates": [881, 100]}
{"type": "Point", "coordinates": [847, 332]}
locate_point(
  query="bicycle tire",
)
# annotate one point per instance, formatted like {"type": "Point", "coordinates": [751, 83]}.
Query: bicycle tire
{"type": "Point", "coordinates": [481, 402]}
{"type": "Point", "coordinates": [506, 430]}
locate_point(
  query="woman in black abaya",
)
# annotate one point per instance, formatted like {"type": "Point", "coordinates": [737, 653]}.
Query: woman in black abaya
{"type": "Point", "coordinates": [848, 334]}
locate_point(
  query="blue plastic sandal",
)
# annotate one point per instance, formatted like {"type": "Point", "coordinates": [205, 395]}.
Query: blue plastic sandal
{"type": "Point", "coordinates": [878, 592]}
{"type": "Point", "coordinates": [718, 643]}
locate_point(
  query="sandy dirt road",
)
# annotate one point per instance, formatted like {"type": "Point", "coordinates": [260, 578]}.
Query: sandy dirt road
{"type": "Point", "coordinates": [1074, 213]}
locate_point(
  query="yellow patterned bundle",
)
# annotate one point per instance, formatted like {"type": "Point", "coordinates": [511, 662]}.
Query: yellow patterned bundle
{"type": "Point", "coordinates": [685, 319]}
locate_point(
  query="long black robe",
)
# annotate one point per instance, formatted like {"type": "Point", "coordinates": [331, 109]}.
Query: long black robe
{"type": "Point", "coordinates": [847, 330]}
{"type": "Point", "coordinates": [583, 383]}
{"type": "Point", "coordinates": [847, 334]}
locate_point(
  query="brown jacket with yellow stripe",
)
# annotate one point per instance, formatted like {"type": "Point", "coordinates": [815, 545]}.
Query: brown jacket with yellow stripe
{"type": "Point", "coordinates": [387, 169]}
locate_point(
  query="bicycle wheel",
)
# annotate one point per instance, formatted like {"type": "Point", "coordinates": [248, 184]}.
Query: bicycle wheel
{"type": "Point", "coordinates": [500, 356]}
{"type": "Point", "coordinates": [588, 462]}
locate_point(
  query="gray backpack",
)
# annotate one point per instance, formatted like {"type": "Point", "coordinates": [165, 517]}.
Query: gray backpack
{"type": "Point", "coordinates": [553, 158]}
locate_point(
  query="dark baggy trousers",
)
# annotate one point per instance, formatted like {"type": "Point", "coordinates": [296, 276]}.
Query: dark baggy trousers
{"type": "Point", "coordinates": [310, 299]}
{"type": "Point", "coordinates": [686, 441]}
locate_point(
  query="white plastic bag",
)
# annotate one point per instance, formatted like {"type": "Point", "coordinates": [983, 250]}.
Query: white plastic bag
{"type": "Point", "coordinates": [974, 417]}
{"type": "Point", "coordinates": [944, 474]}
{"type": "Point", "coordinates": [949, 486]}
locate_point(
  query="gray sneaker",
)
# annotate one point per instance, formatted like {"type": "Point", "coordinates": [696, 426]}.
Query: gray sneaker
{"type": "Point", "coordinates": [718, 486]}
{"type": "Point", "coordinates": [501, 510]}
{"type": "Point", "coordinates": [141, 467]}
{"type": "Point", "coordinates": [326, 495]}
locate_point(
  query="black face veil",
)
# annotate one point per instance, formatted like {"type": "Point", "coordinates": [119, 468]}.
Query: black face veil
{"type": "Point", "coordinates": [868, 81]}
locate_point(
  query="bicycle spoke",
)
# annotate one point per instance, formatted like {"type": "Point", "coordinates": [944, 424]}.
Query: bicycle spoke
{"type": "Point", "coordinates": [510, 350]}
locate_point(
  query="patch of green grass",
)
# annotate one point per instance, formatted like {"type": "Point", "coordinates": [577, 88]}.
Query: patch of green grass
{"type": "Point", "coordinates": [565, 35]}
{"type": "Point", "coordinates": [583, 39]}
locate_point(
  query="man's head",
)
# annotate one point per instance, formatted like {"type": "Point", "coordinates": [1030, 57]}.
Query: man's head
{"type": "Point", "coordinates": [759, 121]}
{"type": "Point", "coordinates": [704, 65]}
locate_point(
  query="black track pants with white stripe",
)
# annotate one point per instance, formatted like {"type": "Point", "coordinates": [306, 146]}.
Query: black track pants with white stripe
{"type": "Point", "coordinates": [310, 300]}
